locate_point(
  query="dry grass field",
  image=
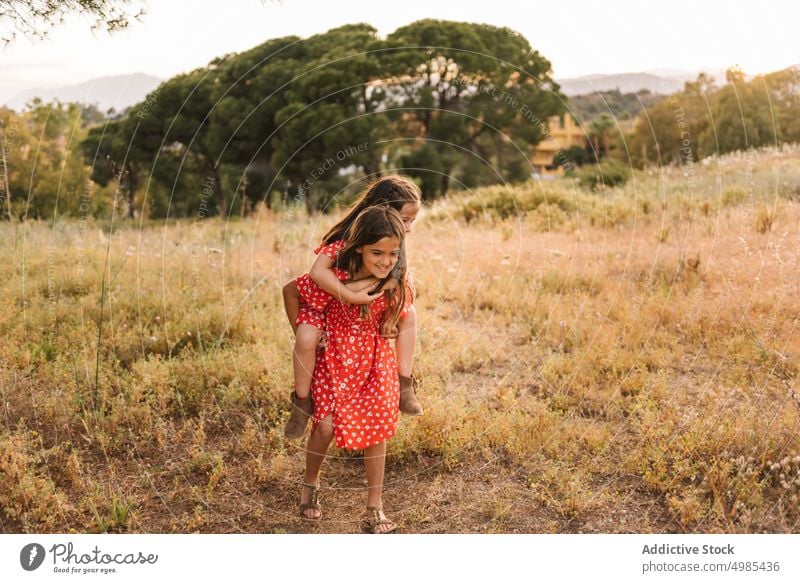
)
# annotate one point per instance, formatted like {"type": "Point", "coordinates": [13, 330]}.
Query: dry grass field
{"type": "Point", "coordinates": [618, 361]}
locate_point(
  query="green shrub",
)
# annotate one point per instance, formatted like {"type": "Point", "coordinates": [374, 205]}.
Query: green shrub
{"type": "Point", "coordinates": [606, 174]}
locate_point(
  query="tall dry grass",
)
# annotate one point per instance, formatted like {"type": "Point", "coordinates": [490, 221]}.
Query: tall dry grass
{"type": "Point", "coordinates": [626, 358]}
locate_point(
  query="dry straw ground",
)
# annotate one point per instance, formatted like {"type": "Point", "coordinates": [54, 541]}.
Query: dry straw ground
{"type": "Point", "coordinates": [621, 361]}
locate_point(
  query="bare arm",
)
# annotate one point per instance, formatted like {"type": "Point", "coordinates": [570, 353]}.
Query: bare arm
{"type": "Point", "coordinates": [370, 284]}
{"type": "Point", "coordinates": [357, 285]}
{"type": "Point", "coordinates": [322, 274]}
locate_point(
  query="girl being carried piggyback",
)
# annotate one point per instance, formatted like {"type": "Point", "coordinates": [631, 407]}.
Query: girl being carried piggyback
{"type": "Point", "coordinates": [402, 195]}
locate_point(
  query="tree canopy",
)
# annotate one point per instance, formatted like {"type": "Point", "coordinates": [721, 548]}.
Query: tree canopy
{"type": "Point", "coordinates": [703, 119]}
{"type": "Point", "coordinates": [304, 121]}
{"type": "Point", "coordinates": [296, 119]}
{"type": "Point", "coordinates": [35, 18]}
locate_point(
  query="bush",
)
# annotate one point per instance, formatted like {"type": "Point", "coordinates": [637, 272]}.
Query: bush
{"type": "Point", "coordinates": [576, 156]}
{"type": "Point", "coordinates": [606, 174]}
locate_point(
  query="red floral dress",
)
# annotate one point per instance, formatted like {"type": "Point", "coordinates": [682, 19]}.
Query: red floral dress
{"type": "Point", "coordinates": [355, 377]}
{"type": "Point", "coordinates": [311, 295]}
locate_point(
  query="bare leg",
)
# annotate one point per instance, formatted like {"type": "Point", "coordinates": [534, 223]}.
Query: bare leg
{"type": "Point", "coordinates": [291, 302]}
{"type": "Point", "coordinates": [303, 362]}
{"type": "Point", "coordinates": [375, 462]}
{"type": "Point", "coordinates": [406, 342]}
{"type": "Point", "coordinates": [305, 358]}
{"type": "Point", "coordinates": [317, 447]}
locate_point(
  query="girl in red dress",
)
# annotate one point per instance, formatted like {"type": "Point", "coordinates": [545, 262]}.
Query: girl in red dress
{"type": "Point", "coordinates": [356, 388]}
{"type": "Point", "coordinates": [394, 191]}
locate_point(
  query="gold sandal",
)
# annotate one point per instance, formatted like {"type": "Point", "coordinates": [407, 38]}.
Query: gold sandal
{"type": "Point", "coordinates": [375, 519]}
{"type": "Point", "coordinates": [312, 504]}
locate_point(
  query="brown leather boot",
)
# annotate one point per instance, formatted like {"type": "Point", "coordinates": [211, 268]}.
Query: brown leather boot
{"type": "Point", "coordinates": [302, 410]}
{"type": "Point", "coordinates": [408, 397]}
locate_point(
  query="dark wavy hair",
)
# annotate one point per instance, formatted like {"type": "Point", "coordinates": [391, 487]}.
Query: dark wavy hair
{"type": "Point", "coordinates": [394, 191]}
{"type": "Point", "coordinates": [368, 227]}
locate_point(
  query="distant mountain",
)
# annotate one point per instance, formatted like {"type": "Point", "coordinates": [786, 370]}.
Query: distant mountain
{"type": "Point", "coordinates": [624, 82]}
{"type": "Point", "coordinates": [119, 92]}
{"type": "Point", "coordinates": [659, 81]}
{"type": "Point", "coordinates": [623, 107]}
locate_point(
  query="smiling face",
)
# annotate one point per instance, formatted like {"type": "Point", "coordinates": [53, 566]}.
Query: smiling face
{"type": "Point", "coordinates": [379, 258]}
{"type": "Point", "coordinates": [409, 213]}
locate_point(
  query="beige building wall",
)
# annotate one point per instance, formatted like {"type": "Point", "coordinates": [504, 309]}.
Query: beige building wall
{"type": "Point", "coordinates": [563, 133]}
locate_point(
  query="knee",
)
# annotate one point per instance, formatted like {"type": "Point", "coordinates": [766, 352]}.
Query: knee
{"type": "Point", "coordinates": [307, 338]}
{"type": "Point", "coordinates": [325, 429]}
{"type": "Point", "coordinates": [290, 289]}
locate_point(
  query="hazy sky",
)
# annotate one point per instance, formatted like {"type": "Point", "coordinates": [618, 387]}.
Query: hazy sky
{"type": "Point", "coordinates": [579, 37]}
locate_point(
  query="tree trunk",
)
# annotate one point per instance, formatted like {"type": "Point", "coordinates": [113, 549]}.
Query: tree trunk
{"type": "Point", "coordinates": [371, 168]}
{"type": "Point", "coordinates": [309, 200]}
{"type": "Point", "coordinates": [133, 185]}
{"type": "Point", "coordinates": [222, 204]}
{"type": "Point", "coordinates": [262, 166]}
{"type": "Point", "coordinates": [445, 183]}
{"type": "Point", "coordinates": [6, 191]}
{"type": "Point", "coordinates": [365, 99]}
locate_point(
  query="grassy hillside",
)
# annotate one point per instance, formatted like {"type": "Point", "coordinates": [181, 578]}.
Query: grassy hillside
{"type": "Point", "coordinates": [618, 361]}
{"type": "Point", "coordinates": [621, 106]}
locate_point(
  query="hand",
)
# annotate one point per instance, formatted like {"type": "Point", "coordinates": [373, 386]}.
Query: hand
{"type": "Point", "coordinates": [363, 297]}
{"type": "Point", "coordinates": [366, 283]}
{"type": "Point", "coordinates": [393, 333]}
{"type": "Point", "coordinates": [323, 342]}
{"type": "Point", "coordinates": [391, 284]}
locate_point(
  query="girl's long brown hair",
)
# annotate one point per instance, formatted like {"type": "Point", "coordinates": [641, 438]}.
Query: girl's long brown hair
{"type": "Point", "coordinates": [370, 226]}
{"type": "Point", "coordinates": [394, 191]}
